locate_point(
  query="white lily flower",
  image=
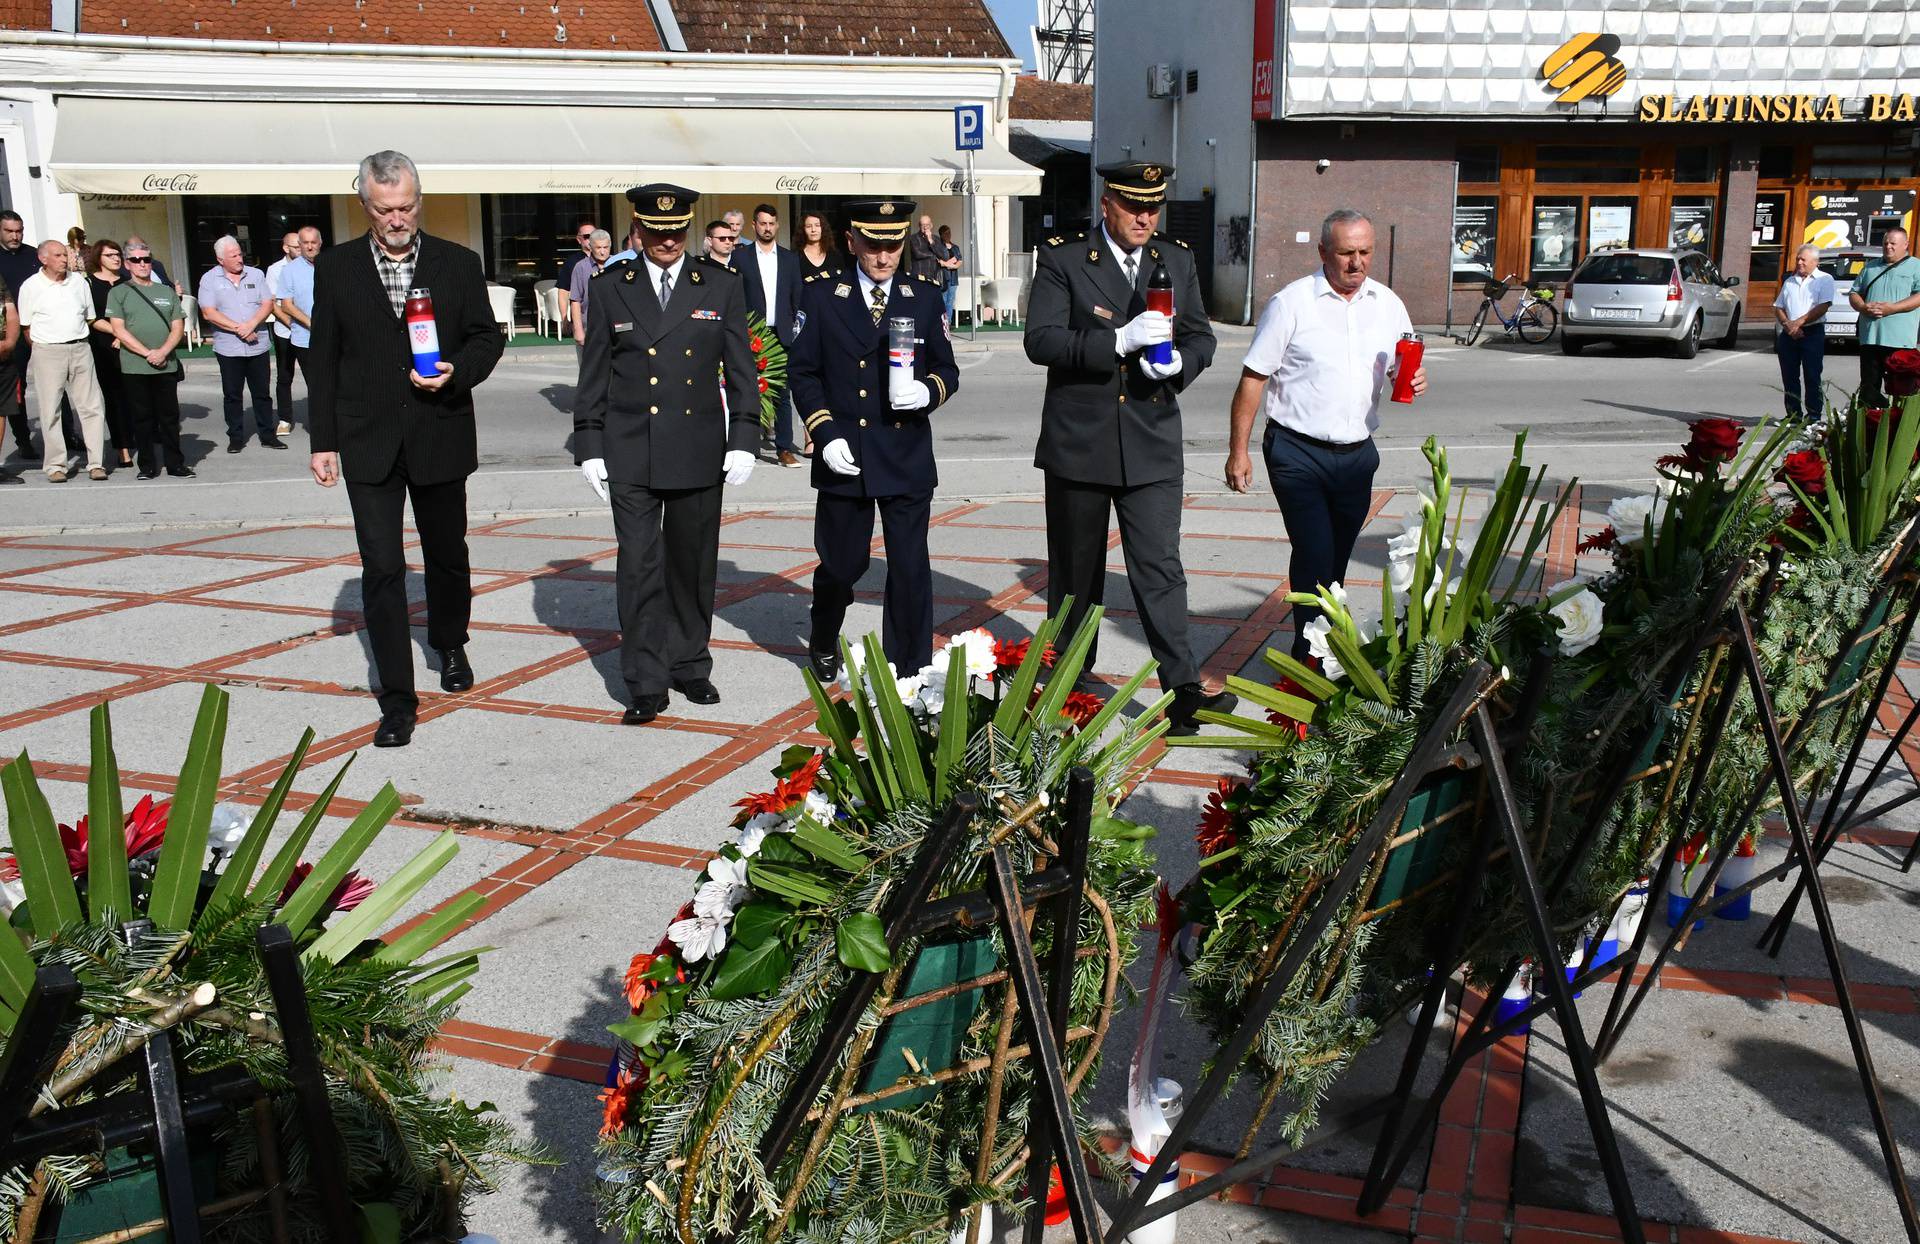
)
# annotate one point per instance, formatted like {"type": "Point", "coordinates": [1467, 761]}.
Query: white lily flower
{"type": "Point", "coordinates": [1581, 616]}
{"type": "Point", "coordinates": [1315, 633]}
{"type": "Point", "coordinates": [908, 688]}
{"type": "Point", "coordinates": [931, 699]}
{"type": "Point", "coordinates": [698, 938]}
{"type": "Point", "coordinates": [716, 899]}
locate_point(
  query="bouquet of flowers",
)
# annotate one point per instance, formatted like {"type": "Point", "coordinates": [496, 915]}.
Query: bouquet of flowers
{"type": "Point", "coordinates": [199, 873]}
{"type": "Point", "coordinates": [729, 1003]}
{"type": "Point", "coordinates": [770, 360]}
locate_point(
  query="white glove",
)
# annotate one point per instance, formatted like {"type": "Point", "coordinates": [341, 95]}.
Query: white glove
{"type": "Point", "coordinates": [1149, 328]}
{"type": "Point", "coordinates": [1155, 371]}
{"type": "Point", "coordinates": [595, 469]}
{"type": "Point", "coordinates": [738, 466]}
{"type": "Point", "coordinates": [911, 395]}
{"type": "Point", "coordinates": [839, 458]}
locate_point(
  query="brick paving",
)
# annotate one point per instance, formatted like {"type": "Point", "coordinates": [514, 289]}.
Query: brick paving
{"type": "Point", "coordinates": [588, 830]}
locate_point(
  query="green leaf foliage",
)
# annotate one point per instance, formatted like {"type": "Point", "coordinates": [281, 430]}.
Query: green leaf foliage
{"type": "Point", "coordinates": [861, 942]}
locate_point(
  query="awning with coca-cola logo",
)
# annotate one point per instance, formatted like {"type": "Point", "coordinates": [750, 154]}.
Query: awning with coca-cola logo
{"type": "Point", "coordinates": [148, 146]}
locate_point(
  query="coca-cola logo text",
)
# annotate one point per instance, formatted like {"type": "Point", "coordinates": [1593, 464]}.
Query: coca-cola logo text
{"type": "Point", "coordinates": [956, 184]}
{"type": "Point", "coordinates": [177, 183]}
{"type": "Point", "coordinates": [797, 185]}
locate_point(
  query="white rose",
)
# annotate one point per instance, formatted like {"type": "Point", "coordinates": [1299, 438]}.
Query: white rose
{"type": "Point", "coordinates": [1580, 617]}
{"type": "Point", "coordinates": [1629, 516]}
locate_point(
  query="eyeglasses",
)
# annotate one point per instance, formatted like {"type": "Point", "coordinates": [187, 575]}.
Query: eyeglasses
{"type": "Point", "coordinates": [585, 237]}
{"type": "Point", "coordinates": [139, 258]}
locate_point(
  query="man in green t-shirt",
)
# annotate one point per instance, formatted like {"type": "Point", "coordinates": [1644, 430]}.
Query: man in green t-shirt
{"type": "Point", "coordinates": [1887, 296]}
{"type": "Point", "coordinates": [149, 319]}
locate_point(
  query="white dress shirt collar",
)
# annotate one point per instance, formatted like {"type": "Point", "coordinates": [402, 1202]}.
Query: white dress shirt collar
{"type": "Point", "coordinates": [672, 270]}
{"type": "Point", "coordinates": [867, 283]}
{"type": "Point", "coordinates": [1120, 252]}
{"type": "Point", "coordinates": [1323, 288]}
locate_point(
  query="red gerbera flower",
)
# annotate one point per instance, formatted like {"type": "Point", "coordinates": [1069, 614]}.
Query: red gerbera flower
{"type": "Point", "coordinates": [1215, 832]}
{"type": "Point", "coordinates": [1286, 686]}
{"type": "Point", "coordinates": [617, 1101]}
{"type": "Point", "coordinates": [146, 827]}
{"type": "Point", "coordinates": [760, 362]}
{"type": "Point", "coordinates": [1081, 707]}
{"type": "Point", "coordinates": [786, 792]}
{"type": "Point", "coordinates": [1009, 653]}
{"type": "Point", "coordinates": [349, 894]}
{"type": "Point", "coordinates": [1605, 538]}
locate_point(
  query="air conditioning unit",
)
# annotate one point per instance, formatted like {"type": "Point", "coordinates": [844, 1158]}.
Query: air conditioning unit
{"type": "Point", "coordinates": [1161, 80]}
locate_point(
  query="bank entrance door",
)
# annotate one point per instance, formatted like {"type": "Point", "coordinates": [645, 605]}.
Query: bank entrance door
{"type": "Point", "coordinates": [1566, 228]}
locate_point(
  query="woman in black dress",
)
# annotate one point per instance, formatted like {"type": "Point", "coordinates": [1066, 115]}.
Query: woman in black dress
{"type": "Point", "coordinates": [816, 249]}
{"type": "Point", "coordinates": [105, 266]}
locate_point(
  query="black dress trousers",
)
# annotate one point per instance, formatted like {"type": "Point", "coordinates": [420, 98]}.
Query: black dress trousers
{"type": "Point", "coordinates": [669, 555]}
{"type": "Point", "coordinates": [1078, 524]}
{"type": "Point", "coordinates": [440, 516]}
{"type": "Point", "coordinates": [843, 537]}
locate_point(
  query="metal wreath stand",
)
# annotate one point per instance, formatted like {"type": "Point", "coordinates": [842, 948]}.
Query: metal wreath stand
{"type": "Point", "coordinates": [1727, 631]}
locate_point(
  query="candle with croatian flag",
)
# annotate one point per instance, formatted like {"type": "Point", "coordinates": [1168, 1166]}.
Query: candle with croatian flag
{"type": "Point", "coordinates": [423, 335]}
{"type": "Point", "coordinates": [900, 345]}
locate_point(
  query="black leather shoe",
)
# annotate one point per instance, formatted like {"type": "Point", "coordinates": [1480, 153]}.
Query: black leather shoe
{"type": "Point", "coordinates": [825, 665]}
{"type": "Point", "coordinates": [396, 730]}
{"type": "Point", "coordinates": [1188, 701]}
{"type": "Point", "coordinates": [180, 472]}
{"type": "Point", "coordinates": [698, 691]}
{"type": "Point", "coordinates": [645, 709]}
{"type": "Point", "coordinates": [148, 475]}
{"type": "Point", "coordinates": [273, 442]}
{"type": "Point", "coordinates": [455, 673]}
{"type": "Point", "coordinates": [234, 447]}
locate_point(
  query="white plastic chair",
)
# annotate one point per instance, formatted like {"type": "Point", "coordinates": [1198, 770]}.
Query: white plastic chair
{"type": "Point", "coordinates": [963, 299]}
{"type": "Point", "coordinates": [1004, 294]}
{"type": "Point", "coordinates": [500, 298]}
{"type": "Point", "coordinates": [190, 307]}
{"type": "Point", "coordinates": [549, 300]}
{"type": "Point", "coordinates": [543, 316]}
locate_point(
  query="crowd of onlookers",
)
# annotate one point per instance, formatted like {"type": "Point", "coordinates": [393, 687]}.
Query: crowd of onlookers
{"type": "Point", "coordinates": [91, 335]}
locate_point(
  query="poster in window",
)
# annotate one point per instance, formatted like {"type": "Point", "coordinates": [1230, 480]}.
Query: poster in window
{"type": "Point", "coordinates": [1609, 225]}
{"type": "Point", "coordinates": [1555, 233]}
{"type": "Point", "coordinates": [1690, 226]}
{"type": "Point", "coordinates": [1839, 220]}
{"type": "Point", "coordinates": [1767, 211]}
{"type": "Point", "coordinates": [1476, 224]}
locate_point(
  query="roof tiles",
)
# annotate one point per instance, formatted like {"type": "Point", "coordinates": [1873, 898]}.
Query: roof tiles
{"type": "Point", "coordinates": [584, 25]}
{"type": "Point", "coordinates": [958, 28]}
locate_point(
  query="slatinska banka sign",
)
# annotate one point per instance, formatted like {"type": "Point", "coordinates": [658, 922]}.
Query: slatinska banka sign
{"type": "Point", "coordinates": [1791, 108]}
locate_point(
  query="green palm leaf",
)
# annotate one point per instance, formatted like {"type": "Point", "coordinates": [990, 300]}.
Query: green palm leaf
{"type": "Point", "coordinates": [109, 891]}
{"type": "Point", "coordinates": [183, 853]}
{"type": "Point", "coordinates": [303, 908]}
{"type": "Point", "coordinates": [52, 901]}
{"type": "Point", "coordinates": [246, 857]}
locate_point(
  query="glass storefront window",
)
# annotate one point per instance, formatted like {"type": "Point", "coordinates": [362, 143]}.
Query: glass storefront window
{"type": "Point", "coordinates": [1776, 162]}
{"type": "Point", "coordinates": [530, 238]}
{"type": "Point", "coordinates": [1862, 161]}
{"type": "Point", "coordinates": [1769, 239]}
{"type": "Point", "coordinates": [1479, 163]}
{"type": "Point", "coordinates": [1566, 165]}
{"type": "Point", "coordinates": [1476, 227]}
{"type": "Point", "coordinates": [1610, 224]}
{"type": "Point", "coordinates": [256, 221]}
{"type": "Point", "coordinates": [1697, 164]}
{"type": "Point", "coordinates": [1690, 223]}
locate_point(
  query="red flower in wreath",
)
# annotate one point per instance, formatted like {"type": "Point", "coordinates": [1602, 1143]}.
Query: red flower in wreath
{"type": "Point", "coordinates": [617, 1101]}
{"type": "Point", "coordinates": [1902, 373]}
{"type": "Point", "coordinates": [1286, 686]}
{"type": "Point", "coordinates": [1600, 541]}
{"type": "Point", "coordinates": [1805, 468]}
{"type": "Point", "coordinates": [757, 344]}
{"type": "Point", "coordinates": [639, 988]}
{"type": "Point", "coordinates": [1215, 832]}
{"type": "Point", "coordinates": [1714, 441]}
{"type": "Point", "coordinates": [763, 384]}
{"type": "Point", "coordinates": [1081, 707]}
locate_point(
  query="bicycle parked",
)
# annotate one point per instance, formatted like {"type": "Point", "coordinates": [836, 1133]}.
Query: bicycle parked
{"type": "Point", "coordinates": [1534, 319]}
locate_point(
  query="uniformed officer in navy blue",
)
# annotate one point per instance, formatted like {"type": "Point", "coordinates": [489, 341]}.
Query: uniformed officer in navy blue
{"type": "Point", "coordinates": [1110, 436]}
{"type": "Point", "coordinates": [651, 434]}
{"type": "Point", "coordinates": [875, 451]}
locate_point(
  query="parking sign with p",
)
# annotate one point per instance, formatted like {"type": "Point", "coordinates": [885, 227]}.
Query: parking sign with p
{"type": "Point", "coordinates": [969, 127]}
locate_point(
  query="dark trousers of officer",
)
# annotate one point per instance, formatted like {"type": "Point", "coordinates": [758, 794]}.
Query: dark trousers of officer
{"type": "Point", "coordinates": [843, 538]}
{"type": "Point", "coordinates": [440, 515]}
{"type": "Point", "coordinates": [669, 553]}
{"type": "Point", "coordinates": [1078, 515]}
{"type": "Point", "coordinates": [1801, 361]}
{"type": "Point", "coordinates": [1324, 493]}
{"type": "Point", "coordinates": [250, 371]}
{"type": "Point", "coordinates": [1873, 374]}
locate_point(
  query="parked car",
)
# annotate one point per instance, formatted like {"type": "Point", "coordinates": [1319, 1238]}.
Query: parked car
{"type": "Point", "coordinates": [1677, 297]}
{"type": "Point", "coordinates": [1843, 322]}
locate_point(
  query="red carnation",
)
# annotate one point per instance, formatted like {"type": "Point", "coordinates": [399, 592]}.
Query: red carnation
{"type": "Point", "coordinates": [1806, 468]}
{"type": "Point", "coordinates": [1604, 539]}
{"type": "Point", "coordinates": [761, 362]}
{"type": "Point", "coordinates": [757, 344]}
{"type": "Point", "coordinates": [1215, 832]}
{"type": "Point", "coordinates": [763, 384]}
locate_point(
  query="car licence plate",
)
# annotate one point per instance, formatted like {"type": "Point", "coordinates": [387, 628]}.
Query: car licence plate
{"type": "Point", "coordinates": [1615, 313]}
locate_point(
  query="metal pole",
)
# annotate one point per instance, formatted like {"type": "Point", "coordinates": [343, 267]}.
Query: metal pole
{"type": "Point", "coordinates": [973, 257]}
{"type": "Point", "coordinates": [1454, 248]}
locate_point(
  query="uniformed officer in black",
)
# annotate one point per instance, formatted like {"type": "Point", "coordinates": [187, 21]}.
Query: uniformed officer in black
{"type": "Point", "coordinates": [651, 433]}
{"type": "Point", "coordinates": [875, 449]}
{"type": "Point", "coordinates": [1110, 426]}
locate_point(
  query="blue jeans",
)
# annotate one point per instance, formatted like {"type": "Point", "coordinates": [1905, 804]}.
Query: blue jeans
{"type": "Point", "coordinates": [1801, 360]}
{"type": "Point", "coordinates": [946, 296]}
{"type": "Point", "coordinates": [1324, 495]}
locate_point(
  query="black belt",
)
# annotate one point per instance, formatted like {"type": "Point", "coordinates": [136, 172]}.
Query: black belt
{"type": "Point", "coordinates": [1332, 447]}
{"type": "Point", "coordinates": [76, 341]}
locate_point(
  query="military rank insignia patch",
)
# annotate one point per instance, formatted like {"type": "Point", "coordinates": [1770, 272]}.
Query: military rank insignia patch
{"type": "Point", "coordinates": [704, 314]}
{"type": "Point", "coordinates": [842, 291]}
{"type": "Point", "coordinates": [905, 291]}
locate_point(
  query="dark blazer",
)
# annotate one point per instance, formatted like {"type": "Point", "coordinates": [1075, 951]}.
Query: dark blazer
{"type": "Point", "coordinates": [1103, 420]}
{"type": "Point", "coordinates": [361, 402]}
{"type": "Point", "coordinates": [649, 396]}
{"type": "Point", "coordinates": [838, 370]}
{"type": "Point", "coordinates": [786, 295]}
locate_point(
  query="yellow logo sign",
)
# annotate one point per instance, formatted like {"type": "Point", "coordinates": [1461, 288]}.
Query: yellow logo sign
{"type": "Point", "coordinates": [1584, 67]}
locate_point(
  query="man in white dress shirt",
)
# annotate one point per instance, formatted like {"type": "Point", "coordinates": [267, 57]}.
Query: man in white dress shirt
{"type": "Point", "coordinates": [1321, 360]}
{"type": "Point", "coordinates": [1801, 343]}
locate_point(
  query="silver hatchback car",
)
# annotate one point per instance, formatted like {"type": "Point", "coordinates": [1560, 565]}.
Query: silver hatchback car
{"type": "Point", "coordinates": [1677, 297]}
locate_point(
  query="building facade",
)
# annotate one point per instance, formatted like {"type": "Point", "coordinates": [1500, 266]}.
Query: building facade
{"type": "Point", "coordinates": [1497, 137]}
{"type": "Point", "coordinates": [185, 137]}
